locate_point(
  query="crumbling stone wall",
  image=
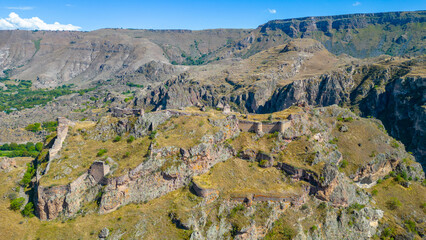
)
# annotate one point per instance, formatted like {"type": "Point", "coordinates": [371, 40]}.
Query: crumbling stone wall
{"type": "Point", "coordinates": [61, 134]}
{"type": "Point", "coordinates": [259, 127]}
{"type": "Point", "coordinates": [98, 170]}
{"type": "Point", "coordinates": [123, 112]}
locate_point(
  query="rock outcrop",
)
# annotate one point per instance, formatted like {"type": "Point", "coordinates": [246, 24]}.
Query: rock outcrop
{"type": "Point", "coordinates": [145, 182]}
{"type": "Point", "coordinates": [66, 200]}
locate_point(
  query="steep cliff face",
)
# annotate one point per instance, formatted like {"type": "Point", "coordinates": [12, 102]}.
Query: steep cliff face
{"type": "Point", "coordinates": [178, 166]}
{"type": "Point", "coordinates": [388, 95]}
{"type": "Point", "coordinates": [358, 35]}
{"type": "Point", "coordinates": [400, 106]}
{"type": "Point", "coordinates": [391, 91]}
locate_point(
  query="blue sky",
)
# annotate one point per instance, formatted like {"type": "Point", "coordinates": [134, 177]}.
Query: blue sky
{"type": "Point", "coordinates": [174, 14]}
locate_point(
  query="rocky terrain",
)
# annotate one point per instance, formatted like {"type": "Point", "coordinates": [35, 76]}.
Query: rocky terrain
{"type": "Point", "coordinates": [321, 166]}
{"type": "Point", "coordinates": [299, 129]}
{"type": "Point", "coordinates": [358, 35]}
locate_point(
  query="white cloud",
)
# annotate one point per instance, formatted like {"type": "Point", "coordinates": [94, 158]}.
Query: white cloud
{"type": "Point", "coordinates": [272, 11]}
{"type": "Point", "coordinates": [34, 23]}
{"type": "Point", "coordinates": [21, 8]}
{"type": "Point", "coordinates": [356, 4]}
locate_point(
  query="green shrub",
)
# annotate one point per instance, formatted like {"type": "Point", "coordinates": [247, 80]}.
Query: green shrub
{"type": "Point", "coordinates": [404, 175]}
{"type": "Point", "coordinates": [374, 192]}
{"type": "Point", "coordinates": [35, 127]}
{"type": "Point", "coordinates": [281, 230]}
{"type": "Point", "coordinates": [344, 164]}
{"type": "Point", "coordinates": [410, 226]}
{"type": "Point", "coordinates": [130, 139]}
{"type": "Point", "coordinates": [398, 178]}
{"type": "Point", "coordinates": [153, 134]}
{"type": "Point", "coordinates": [16, 203]}
{"type": "Point", "coordinates": [333, 141]}
{"type": "Point", "coordinates": [264, 163]}
{"type": "Point", "coordinates": [355, 206]}
{"type": "Point", "coordinates": [349, 119]}
{"type": "Point", "coordinates": [117, 139]}
{"type": "Point", "coordinates": [236, 209]}
{"type": "Point", "coordinates": [28, 175]}
{"type": "Point", "coordinates": [387, 233]}
{"type": "Point", "coordinates": [393, 204]}
{"type": "Point", "coordinates": [322, 206]}
{"type": "Point", "coordinates": [101, 152]}
{"type": "Point", "coordinates": [28, 210]}
{"type": "Point", "coordinates": [50, 126]}
{"type": "Point", "coordinates": [394, 143]}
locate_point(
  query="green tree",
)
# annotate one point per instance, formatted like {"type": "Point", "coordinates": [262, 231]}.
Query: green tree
{"type": "Point", "coordinates": [39, 146]}
{"type": "Point", "coordinates": [28, 210]}
{"type": "Point", "coordinates": [16, 203]}
{"type": "Point", "coordinates": [35, 127]}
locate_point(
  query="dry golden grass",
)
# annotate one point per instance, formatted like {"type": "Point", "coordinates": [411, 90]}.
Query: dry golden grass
{"type": "Point", "coordinates": [360, 143]}
{"type": "Point", "coordinates": [12, 224]}
{"type": "Point", "coordinates": [240, 177]}
{"type": "Point", "coordinates": [184, 131]}
{"type": "Point", "coordinates": [299, 153]}
{"type": "Point", "coordinates": [232, 77]}
{"type": "Point", "coordinates": [246, 140]}
{"type": "Point", "coordinates": [209, 113]}
{"type": "Point", "coordinates": [412, 199]}
{"type": "Point", "coordinates": [79, 152]}
{"type": "Point", "coordinates": [276, 116]}
{"type": "Point", "coordinates": [144, 218]}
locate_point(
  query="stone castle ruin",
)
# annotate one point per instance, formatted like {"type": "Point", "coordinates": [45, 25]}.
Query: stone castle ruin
{"type": "Point", "coordinates": [123, 112]}
{"type": "Point", "coordinates": [262, 127]}
{"type": "Point", "coordinates": [98, 170]}
{"type": "Point", "coordinates": [61, 134]}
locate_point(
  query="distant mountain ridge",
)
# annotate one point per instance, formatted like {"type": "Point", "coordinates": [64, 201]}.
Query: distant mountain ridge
{"type": "Point", "coordinates": [55, 58]}
{"type": "Point", "coordinates": [358, 35]}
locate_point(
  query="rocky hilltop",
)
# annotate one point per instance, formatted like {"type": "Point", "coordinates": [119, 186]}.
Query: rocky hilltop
{"type": "Point", "coordinates": [299, 129]}
{"type": "Point", "coordinates": [299, 173]}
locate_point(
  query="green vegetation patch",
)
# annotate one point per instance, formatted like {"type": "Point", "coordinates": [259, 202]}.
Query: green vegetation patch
{"type": "Point", "coordinates": [19, 94]}
{"type": "Point", "coordinates": [282, 229]}
{"type": "Point", "coordinates": [20, 150]}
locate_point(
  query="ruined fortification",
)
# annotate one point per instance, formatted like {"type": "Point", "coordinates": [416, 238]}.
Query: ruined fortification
{"type": "Point", "coordinates": [263, 127]}
{"type": "Point", "coordinates": [61, 134]}
{"type": "Point", "coordinates": [123, 112]}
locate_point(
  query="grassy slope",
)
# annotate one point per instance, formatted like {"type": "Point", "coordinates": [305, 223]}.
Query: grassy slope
{"type": "Point", "coordinates": [412, 199]}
